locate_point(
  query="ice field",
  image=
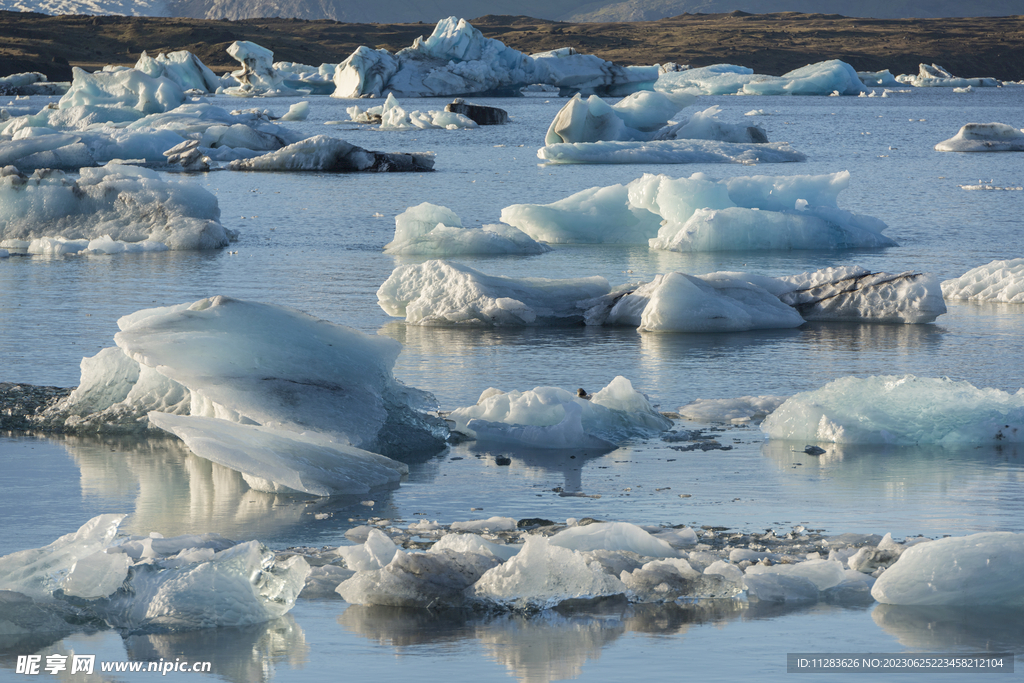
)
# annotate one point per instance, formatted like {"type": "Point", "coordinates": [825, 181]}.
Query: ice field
{"type": "Point", "coordinates": [302, 340]}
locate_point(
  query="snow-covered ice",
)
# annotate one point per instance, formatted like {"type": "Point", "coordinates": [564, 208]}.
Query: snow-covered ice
{"type": "Point", "coordinates": [1001, 281]}
{"type": "Point", "coordinates": [431, 230]}
{"type": "Point", "coordinates": [456, 59]}
{"type": "Point", "coordinates": [119, 203]}
{"type": "Point", "coordinates": [898, 410]}
{"type": "Point", "coordinates": [324, 153]}
{"type": "Point", "coordinates": [964, 571]}
{"type": "Point", "coordinates": [984, 137]}
{"type": "Point", "coordinates": [555, 418]}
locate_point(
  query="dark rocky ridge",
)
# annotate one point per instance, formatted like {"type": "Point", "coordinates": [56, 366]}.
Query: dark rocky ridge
{"type": "Point", "coordinates": [768, 43]}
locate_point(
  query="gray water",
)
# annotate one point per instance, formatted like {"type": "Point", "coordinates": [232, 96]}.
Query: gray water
{"type": "Point", "coordinates": [313, 242]}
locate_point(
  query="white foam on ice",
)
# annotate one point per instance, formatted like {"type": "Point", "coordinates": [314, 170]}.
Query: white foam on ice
{"type": "Point", "coordinates": [966, 571]}
{"type": "Point", "coordinates": [900, 410]}
{"type": "Point", "coordinates": [1001, 281]}
{"type": "Point", "coordinates": [431, 230]}
{"type": "Point", "coordinates": [984, 137]}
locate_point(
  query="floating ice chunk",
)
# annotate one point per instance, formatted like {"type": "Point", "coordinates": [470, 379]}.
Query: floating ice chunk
{"type": "Point", "coordinates": [442, 293]}
{"type": "Point", "coordinates": [30, 83]}
{"type": "Point", "coordinates": [824, 574]}
{"type": "Point", "coordinates": [1001, 281]}
{"type": "Point", "coordinates": [40, 571]}
{"type": "Point", "coordinates": [323, 153]}
{"type": "Point", "coordinates": [480, 114]}
{"type": "Point", "coordinates": [740, 409]}
{"type": "Point", "coordinates": [280, 460]}
{"type": "Point", "coordinates": [613, 536]}
{"type": "Point", "coordinates": [635, 117]}
{"type": "Point", "coordinates": [784, 588]}
{"type": "Point", "coordinates": [550, 417]}
{"type": "Point", "coordinates": [667, 580]}
{"type": "Point", "coordinates": [97, 575]}
{"type": "Point", "coordinates": [182, 67]}
{"type": "Point", "coordinates": [935, 76]}
{"type": "Point", "coordinates": [297, 112]}
{"type": "Point", "coordinates": [669, 152]}
{"type": "Point", "coordinates": [431, 230]}
{"type": "Point", "coordinates": [821, 78]}
{"type": "Point", "coordinates": [471, 543]}
{"type": "Point", "coordinates": [541, 576]}
{"type": "Point", "coordinates": [718, 79]}
{"type": "Point", "coordinates": [376, 552]}
{"type": "Point", "coordinates": [684, 303]}
{"type": "Point", "coordinates": [129, 88]}
{"type": "Point", "coordinates": [705, 125]}
{"type": "Point", "coordinates": [677, 538]}
{"type": "Point", "coordinates": [456, 59]}
{"type": "Point", "coordinates": [965, 571]}
{"type": "Point", "coordinates": [877, 78]}
{"type": "Point", "coordinates": [900, 410]}
{"type": "Point", "coordinates": [984, 137]}
{"type": "Point", "coordinates": [123, 203]}
{"type": "Point", "coordinates": [257, 77]}
{"type": "Point", "coordinates": [491, 524]}
{"type": "Point", "coordinates": [418, 579]}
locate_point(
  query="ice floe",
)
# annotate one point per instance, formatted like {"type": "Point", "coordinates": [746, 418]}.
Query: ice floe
{"type": "Point", "coordinates": [456, 59]}
{"type": "Point", "coordinates": [291, 402]}
{"type": "Point", "coordinates": [391, 116]}
{"type": "Point", "coordinates": [821, 78]}
{"type": "Point", "coordinates": [154, 583]}
{"type": "Point", "coordinates": [1001, 281]}
{"type": "Point", "coordinates": [740, 409]}
{"type": "Point", "coordinates": [324, 153]}
{"type": "Point", "coordinates": [132, 206]}
{"type": "Point", "coordinates": [878, 78]}
{"type": "Point", "coordinates": [554, 418]}
{"type": "Point", "coordinates": [901, 410]}
{"type": "Point", "coordinates": [431, 230]}
{"type": "Point", "coordinates": [934, 76]}
{"type": "Point", "coordinates": [701, 213]}
{"type": "Point", "coordinates": [669, 152]}
{"type": "Point", "coordinates": [963, 571]}
{"type": "Point", "coordinates": [984, 137]}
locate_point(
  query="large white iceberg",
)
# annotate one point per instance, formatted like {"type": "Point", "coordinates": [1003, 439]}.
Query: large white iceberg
{"type": "Point", "coordinates": [821, 78]}
{"type": "Point", "coordinates": [182, 67]}
{"type": "Point", "coordinates": [636, 117]}
{"type": "Point", "coordinates": [257, 77]}
{"type": "Point", "coordinates": [701, 213]}
{"type": "Point", "coordinates": [431, 230]}
{"type": "Point", "coordinates": [1001, 281]}
{"type": "Point", "coordinates": [984, 137]}
{"type": "Point", "coordinates": [934, 76]}
{"type": "Point", "coordinates": [966, 571]}
{"type": "Point", "coordinates": [130, 88]}
{"type": "Point", "coordinates": [323, 153]}
{"type": "Point", "coordinates": [155, 583]}
{"type": "Point", "coordinates": [456, 59]}
{"type": "Point", "coordinates": [554, 418]}
{"type": "Point", "coordinates": [903, 410]}
{"type": "Point", "coordinates": [120, 202]}
{"type": "Point", "coordinates": [290, 401]}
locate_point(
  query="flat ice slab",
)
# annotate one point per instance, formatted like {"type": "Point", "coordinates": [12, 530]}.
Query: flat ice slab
{"type": "Point", "coordinates": [669, 152]}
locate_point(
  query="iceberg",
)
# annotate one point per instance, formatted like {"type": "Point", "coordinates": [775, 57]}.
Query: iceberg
{"type": "Point", "coordinates": [182, 67]}
{"type": "Point", "coordinates": [966, 571]}
{"type": "Point", "coordinates": [554, 418]}
{"type": "Point", "coordinates": [456, 59]}
{"type": "Point", "coordinates": [442, 293]}
{"type": "Point", "coordinates": [431, 230]}
{"type": "Point", "coordinates": [119, 203]}
{"type": "Point", "coordinates": [669, 152]}
{"type": "Point", "coordinates": [30, 83]}
{"type": "Point", "coordinates": [323, 153]}
{"type": "Point", "coordinates": [130, 88]}
{"type": "Point", "coordinates": [878, 79]}
{"type": "Point", "coordinates": [1001, 281]}
{"type": "Point", "coordinates": [935, 76]}
{"type": "Point", "coordinates": [903, 410]}
{"type": "Point", "coordinates": [289, 401]}
{"type": "Point", "coordinates": [984, 137]}
{"type": "Point", "coordinates": [155, 583]}
{"type": "Point", "coordinates": [635, 117]}
{"type": "Point", "coordinates": [701, 213]}
{"type": "Point", "coordinates": [821, 78]}
{"type": "Point", "coordinates": [257, 77]}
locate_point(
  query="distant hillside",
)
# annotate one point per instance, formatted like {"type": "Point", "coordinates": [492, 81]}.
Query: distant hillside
{"type": "Point", "coordinates": [429, 11]}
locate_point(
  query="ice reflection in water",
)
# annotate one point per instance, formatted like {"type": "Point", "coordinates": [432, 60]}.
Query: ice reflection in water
{"type": "Point", "coordinates": [953, 629]}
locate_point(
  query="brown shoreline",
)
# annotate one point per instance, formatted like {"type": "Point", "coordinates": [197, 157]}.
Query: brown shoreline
{"type": "Point", "coordinates": [767, 43]}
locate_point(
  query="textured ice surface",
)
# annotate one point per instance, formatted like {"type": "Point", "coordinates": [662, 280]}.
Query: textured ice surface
{"type": "Point", "coordinates": [613, 536]}
{"type": "Point", "coordinates": [542, 575]}
{"type": "Point", "coordinates": [900, 410]}
{"type": "Point", "coordinates": [119, 202]}
{"type": "Point", "coordinates": [438, 578]}
{"type": "Point", "coordinates": [375, 552]}
{"type": "Point", "coordinates": [1001, 281]}
{"type": "Point", "coordinates": [821, 78]}
{"type": "Point", "coordinates": [984, 137]}
{"type": "Point", "coordinates": [393, 116]}
{"type": "Point", "coordinates": [635, 117]}
{"type": "Point", "coordinates": [669, 152]}
{"type": "Point", "coordinates": [740, 409]}
{"type": "Point", "coordinates": [456, 59]}
{"type": "Point", "coordinates": [491, 524]}
{"type": "Point", "coordinates": [431, 230]}
{"type": "Point", "coordinates": [701, 213]}
{"type": "Point", "coordinates": [182, 67]}
{"type": "Point", "coordinates": [550, 417]}
{"type": "Point", "coordinates": [153, 583]}
{"type": "Point", "coordinates": [934, 76]}
{"type": "Point", "coordinates": [257, 77]}
{"type": "Point", "coordinates": [323, 153]}
{"type": "Point", "coordinates": [877, 78]}
{"type": "Point", "coordinates": [443, 293]}
{"type": "Point", "coordinates": [966, 571]}
{"type": "Point", "coordinates": [129, 88]}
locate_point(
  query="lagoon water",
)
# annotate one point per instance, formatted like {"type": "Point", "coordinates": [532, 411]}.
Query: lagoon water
{"type": "Point", "coordinates": [313, 242]}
